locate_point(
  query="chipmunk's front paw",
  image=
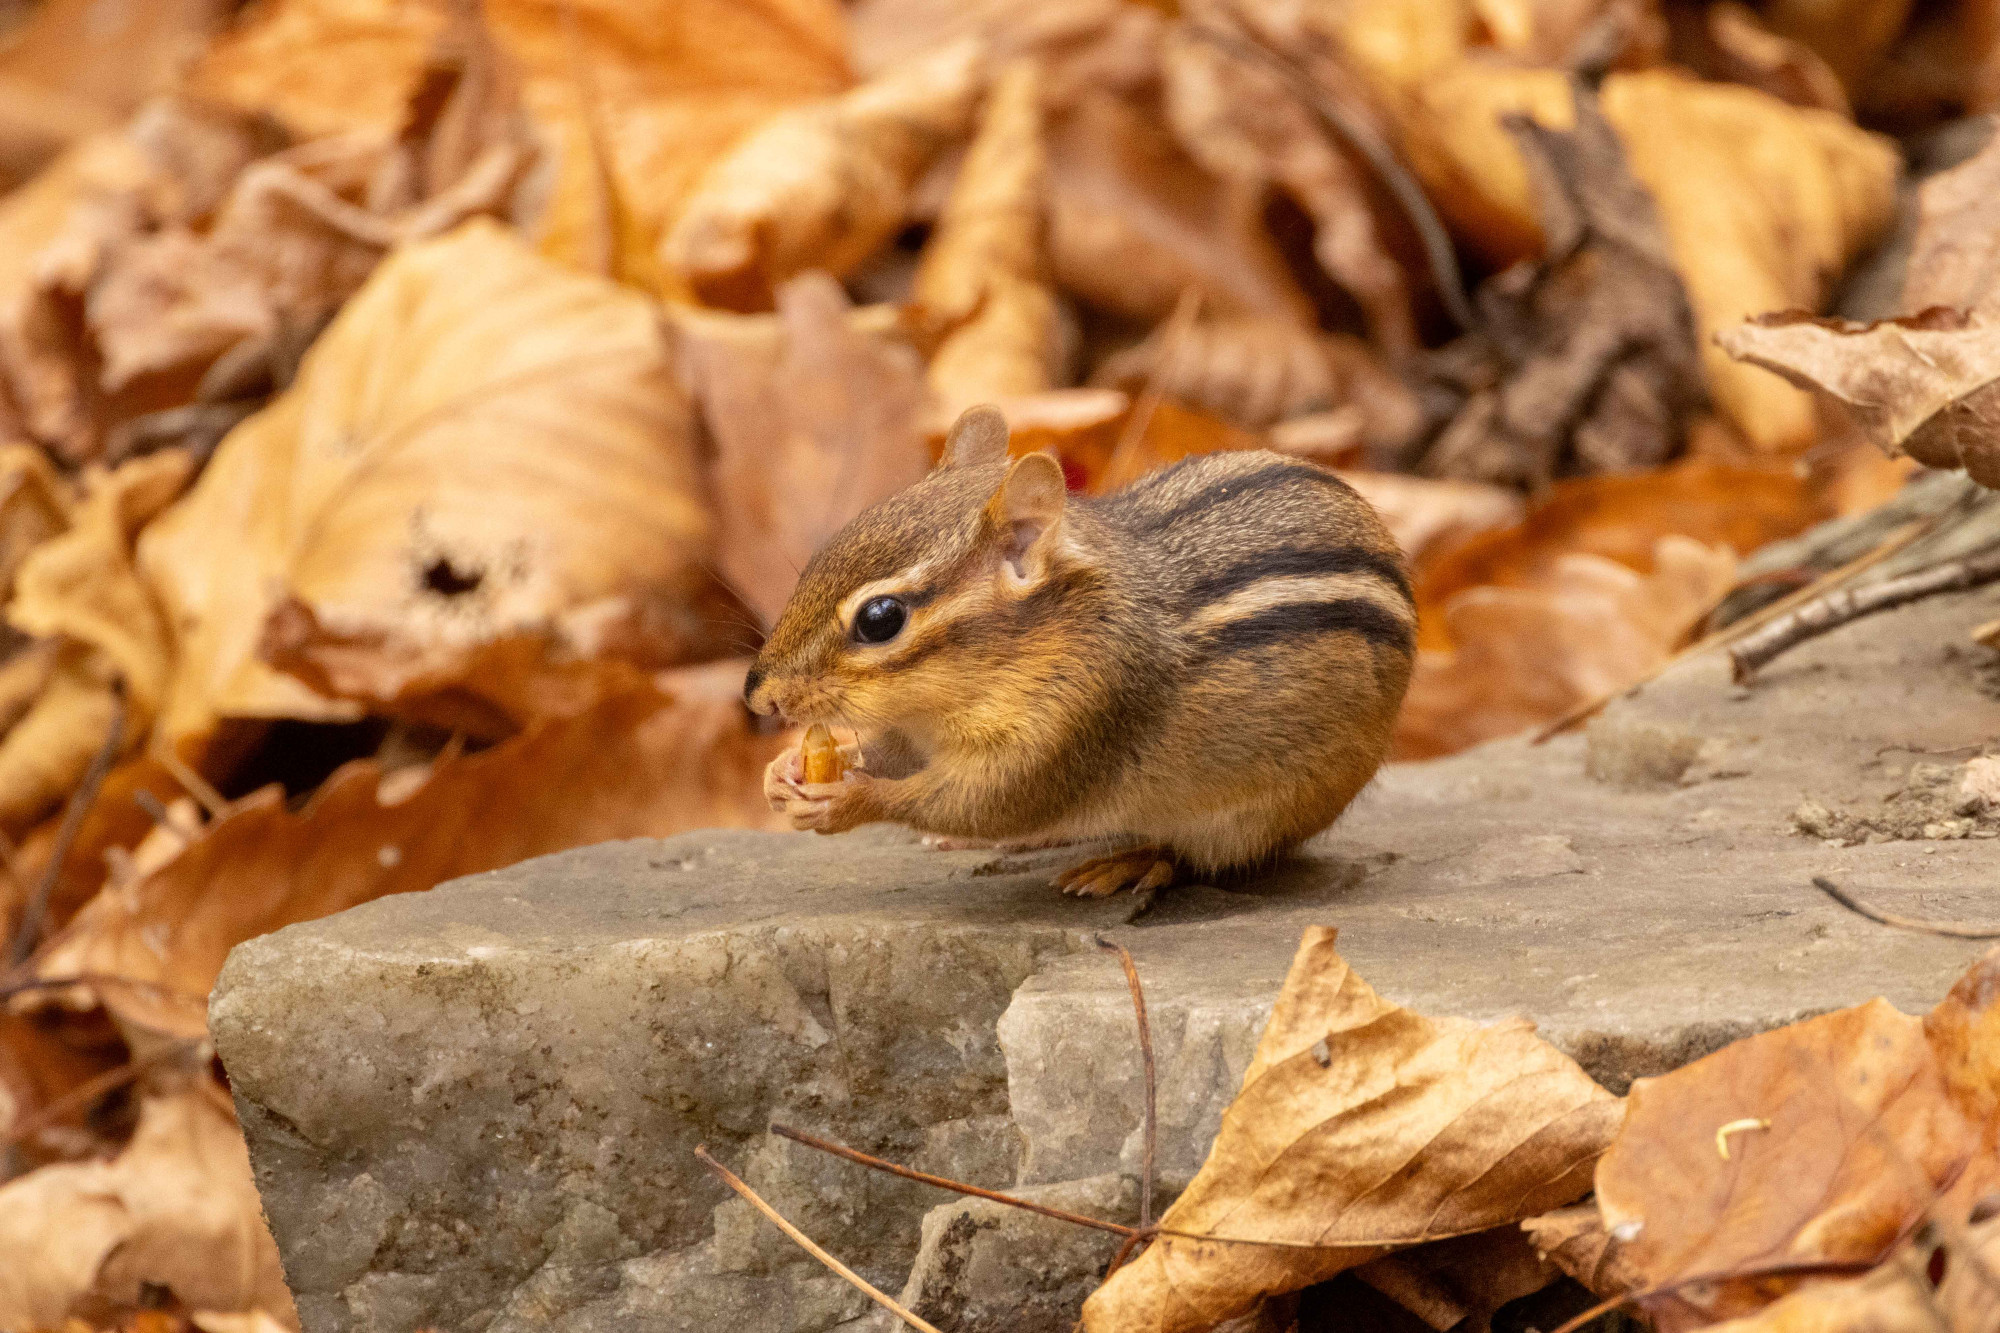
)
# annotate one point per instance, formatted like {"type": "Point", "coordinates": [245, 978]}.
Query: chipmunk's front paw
{"type": "Point", "coordinates": [1138, 868]}
{"type": "Point", "coordinates": [831, 807]}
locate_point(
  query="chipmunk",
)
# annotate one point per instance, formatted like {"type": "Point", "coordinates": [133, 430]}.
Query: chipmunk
{"type": "Point", "coordinates": [1204, 666]}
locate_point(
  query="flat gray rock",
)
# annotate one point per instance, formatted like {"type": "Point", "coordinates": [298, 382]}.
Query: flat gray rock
{"type": "Point", "coordinates": [476, 1108]}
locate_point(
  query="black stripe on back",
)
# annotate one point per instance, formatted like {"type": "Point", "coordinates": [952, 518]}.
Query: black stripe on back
{"type": "Point", "coordinates": [1246, 483]}
{"type": "Point", "coordinates": [1298, 620]}
{"type": "Point", "coordinates": [1291, 562]}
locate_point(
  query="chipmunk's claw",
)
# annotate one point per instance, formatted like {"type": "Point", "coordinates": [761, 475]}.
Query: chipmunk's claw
{"type": "Point", "coordinates": [1141, 869]}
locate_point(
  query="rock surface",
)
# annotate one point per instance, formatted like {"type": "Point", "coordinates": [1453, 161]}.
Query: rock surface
{"type": "Point", "coordinates": [476, 1108]}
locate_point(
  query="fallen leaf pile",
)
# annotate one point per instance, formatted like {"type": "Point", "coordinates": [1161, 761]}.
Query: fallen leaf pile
{"type": "Point", "coordinates": [413, 411]}
{"type": "Point", "coordinates": [1839, 1175]}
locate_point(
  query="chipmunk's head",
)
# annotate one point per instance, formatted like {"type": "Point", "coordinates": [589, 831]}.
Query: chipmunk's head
{"type": "Point", "coordinates": [894, 620]}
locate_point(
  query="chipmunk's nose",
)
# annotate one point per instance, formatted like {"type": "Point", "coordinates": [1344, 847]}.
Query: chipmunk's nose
{"type": "Point", "coordinates": [751, 682]}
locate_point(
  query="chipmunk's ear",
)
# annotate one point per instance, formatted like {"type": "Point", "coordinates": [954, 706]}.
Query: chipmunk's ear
{"type": "Point", "coordinates": [978, 436]}
{"type": "Point", "coordinates": [1028, 507]}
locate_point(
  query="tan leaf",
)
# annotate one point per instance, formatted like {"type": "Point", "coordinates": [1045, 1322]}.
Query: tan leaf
{"type": "Point", "coordinates": [1133, 222]}
{"type": "Point", "coordinates": [1361, 1126]}
{"type": "Point", "coordinates": [820, 186]}
{"type": "Point", "coordinates": [981, 291]}
{"type": "Point", "coordinates": [77, 67]}
{"type": "Point", "coordinates": [35, 505]}
{"type": "Point", "coordinates": [814, 414]}
{"type": "Point", "coordinates": [1955, 253]}
{"type": "Point", "coordinates": [635, 764]}
{"type": "Point", "coordinates": [1851, 1124]}
{"type": "Point", "coordinates": [482, 445]}
{"type": "Point", "coordinates": [1426, 516]}
{"type": "Point", "coordinates": [634, 109]}
{"type": "Point", "coordinates": [176, 1208]}
{"type": "Point", "coordinates": [1241, 119]}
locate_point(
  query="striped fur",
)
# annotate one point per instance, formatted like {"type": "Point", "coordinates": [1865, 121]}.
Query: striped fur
{"type": "Point", "coordinates": [1209, 661]}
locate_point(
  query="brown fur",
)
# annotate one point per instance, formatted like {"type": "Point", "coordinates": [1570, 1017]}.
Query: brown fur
{"type": "Point", "coordinates": [1209, 661]}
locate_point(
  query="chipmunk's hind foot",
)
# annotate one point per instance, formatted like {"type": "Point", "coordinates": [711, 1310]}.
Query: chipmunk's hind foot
{"type": "Point", "coordinates": [1140, 869]}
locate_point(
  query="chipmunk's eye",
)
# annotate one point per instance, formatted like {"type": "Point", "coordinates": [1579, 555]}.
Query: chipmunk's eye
{"type": "Point", "coordinates": [879, 620]}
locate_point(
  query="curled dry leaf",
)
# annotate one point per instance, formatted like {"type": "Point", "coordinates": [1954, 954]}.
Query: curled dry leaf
{"type": "Point", "coordinates": [981, 293]}
{"type": "Point", "coordinates": [1586, 360]}
{"type": "Point", "coordinates": [480, 446]}
{"type": "Point", "coordinates": [633, 109]}
{"type": "Point", "coordinates": [1921, 384]}
{"type": "Point", "coordinates": [1243, 119]}
{"type": "Point", "coordinates": [1133, 222]}
{"type": "Point", "coordinates": [1361, 1126]}
{"type": "Point", "coordinates": [1874, 1118]}
{"type": "Point", "coordinates": [177, 1208]}
{"type": "Point", "coordinates": [1523, 656]}
{"type": "Point", "coordinates": [820, 186]}
{"type": "Point", "coordinates": [813, 413]}
{"type": "Point", "coordinates": [638, 763]}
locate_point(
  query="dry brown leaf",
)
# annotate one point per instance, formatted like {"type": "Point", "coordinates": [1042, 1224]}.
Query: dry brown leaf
{"type": "Point", "coordinates": [814, 414]}
{"type": "Point", "coordinates": [1256, 372]}
{"type": "Point", "coordinates": [1920, 384]}
{"type": "Point", "coordinates": [1575, 1240]}
{"type": "Point", "coordinates": [1242, 119]}
{"type": "Point", "coordinates": [1133, 222]}
{"type": "Point", "coordinates": [77, 67]}
{"type": "Point", "coordinates": [1167, 435]}
{"type": "Point", "coordinates": [1586, 359]}
{"type": "Point", "coordinates": [177, 1208]}
{"type": "Point", "coordinates": [821, 186]}
{"type": "Point", "coordinates": [35, 505]}
{"type": "Point", "coordinates": [658, 100]}
{"type": "Point", "coordinates": [980, 293]}
{"type": "Point", "coordinates": [1851, 1125]}
{"type": "Point", "coordinates": [1923, 385]}
{"type": "Point", "coordinates": [636, 764]}
{"type": "Point", "coordinates": [1622, 518]}
{"type": "Point", "coordinates": [481, 446]}
{"type": "Point", "coordinates": [300, 230]}
{"type": "Point", "coordinates": [1523, 656]}
{"type": "Point", "coordinates": [1361, 1126]}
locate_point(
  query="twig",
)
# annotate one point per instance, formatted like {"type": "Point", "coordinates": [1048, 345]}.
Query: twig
{"type": "Point", "coordinates": [1833, 578]}
{"type": "Point", "coordinates": [1150, 1129]}
{"type": "Point", "coordinates": [955, 1186]}
{"type": "Point", "coordinates": [1357, 135]}
{"type": "Point", "coordinates": [29, 933]}
{"type": "Point", "coordinates": [1838, 608]}
{"type": "Point", "coordinates": [805, 1243]}
{"type": "Point", "coordinates": [1958, 930]}
{"type": "Point", "coordinates": [1132, 1234]}
{"type": "Point", "coordinates": [193, 783]}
